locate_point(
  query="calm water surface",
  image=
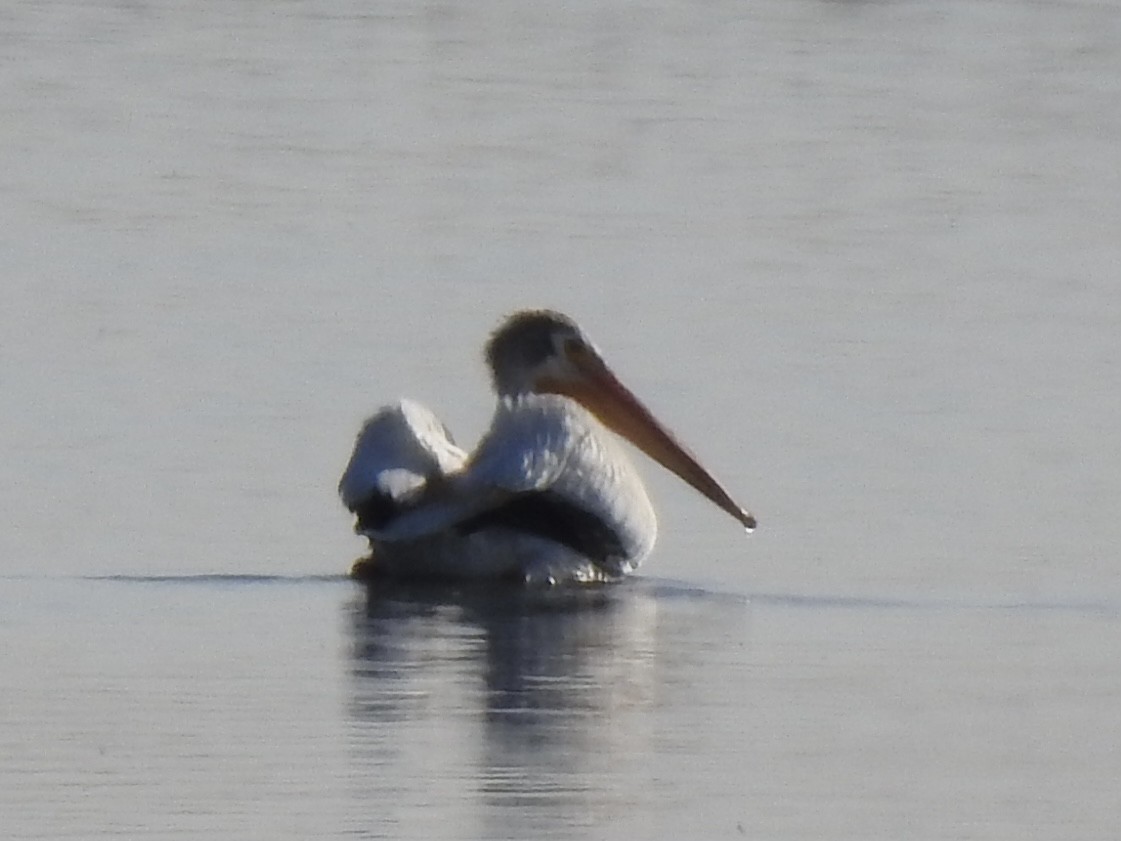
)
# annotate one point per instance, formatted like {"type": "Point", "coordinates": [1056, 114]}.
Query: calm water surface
{"type": "Point", "coordinates": [862, 256]}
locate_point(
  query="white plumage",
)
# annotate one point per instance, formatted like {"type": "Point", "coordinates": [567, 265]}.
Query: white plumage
{"type": "Point", "coordinates": [536, 444]}
{"type": "Point", "coordinates": [398, 449]}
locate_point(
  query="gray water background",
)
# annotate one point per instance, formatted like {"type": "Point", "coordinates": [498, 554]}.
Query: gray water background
{"type": "Point", "coordinates": [862, 256]}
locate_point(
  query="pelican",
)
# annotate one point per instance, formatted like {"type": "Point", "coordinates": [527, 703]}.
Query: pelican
{"type": "Point", "coordinates": [548, 496]}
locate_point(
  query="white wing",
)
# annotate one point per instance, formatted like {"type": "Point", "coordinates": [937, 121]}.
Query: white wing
{"type": "Point", "coordinates": [523, 450]}
{"type": "Point", "coordinates": [399, 452]}
{"type": "Point", "coordinates": [536, 443]}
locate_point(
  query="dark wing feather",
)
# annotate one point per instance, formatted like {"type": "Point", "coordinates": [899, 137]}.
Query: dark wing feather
{"type": "Point", "coordinates": [375, 512]}
{"type": "Point", "coordinates": [550, 516]}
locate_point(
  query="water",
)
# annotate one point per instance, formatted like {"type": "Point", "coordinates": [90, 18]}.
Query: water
{"type": "Point", "coordinates": [862, 257]}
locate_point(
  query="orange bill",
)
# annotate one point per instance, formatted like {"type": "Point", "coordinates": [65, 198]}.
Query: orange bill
{"type": "Point", "coordinates": [601, 393]}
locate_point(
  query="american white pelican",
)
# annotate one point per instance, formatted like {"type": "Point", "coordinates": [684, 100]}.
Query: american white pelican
{"type": "Point", "coordinates": [546, 497]}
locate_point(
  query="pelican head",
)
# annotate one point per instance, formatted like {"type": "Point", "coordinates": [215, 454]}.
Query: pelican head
{"type": "Point", "coordinates": [545, 352]}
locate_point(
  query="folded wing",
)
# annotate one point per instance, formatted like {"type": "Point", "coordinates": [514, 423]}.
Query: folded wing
{"type": "Point", "coordinates": [401, 453]}
{"type": "Point", "coordinates": [405, 485]}
{"type": "Point", "coordinates": [539, 469]}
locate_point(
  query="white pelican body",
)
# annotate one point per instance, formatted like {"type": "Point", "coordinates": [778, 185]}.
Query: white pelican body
{"type": "Point", "coordinates": [548, 495]}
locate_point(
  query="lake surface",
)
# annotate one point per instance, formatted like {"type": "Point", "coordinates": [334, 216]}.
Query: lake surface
{"type": "Point", "coordinates": [862, 256]}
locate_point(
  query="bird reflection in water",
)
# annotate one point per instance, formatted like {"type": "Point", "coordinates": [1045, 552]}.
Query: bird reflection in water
{"type": "Point", "coordinates": [524, 705]}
